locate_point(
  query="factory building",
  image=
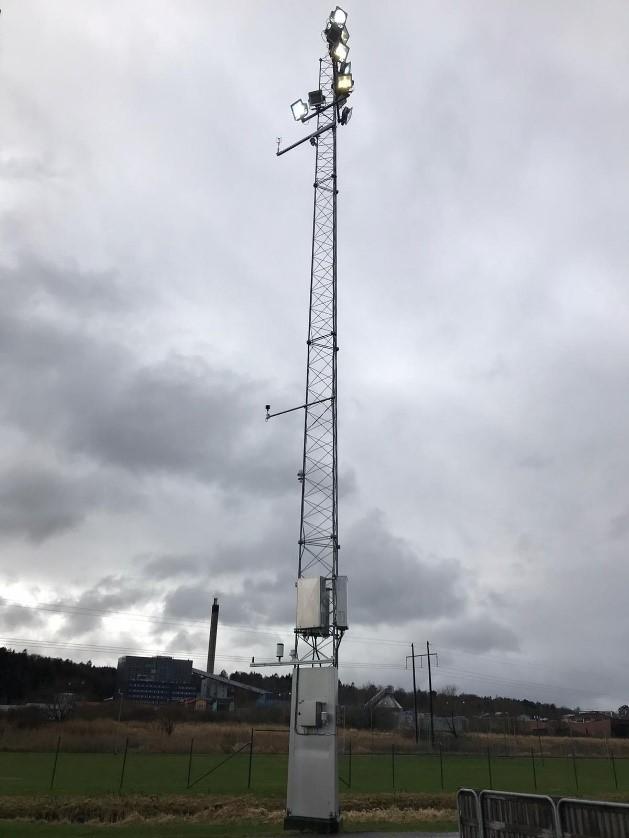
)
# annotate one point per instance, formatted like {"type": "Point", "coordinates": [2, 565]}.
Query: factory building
{"type": "Point", "coordinates": [157, 680]}
{"type": "Point", "coordinates": [163, 679]}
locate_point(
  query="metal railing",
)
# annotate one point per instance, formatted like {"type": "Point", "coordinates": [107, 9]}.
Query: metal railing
{"type": "Point", "coordinates": [497, 814]}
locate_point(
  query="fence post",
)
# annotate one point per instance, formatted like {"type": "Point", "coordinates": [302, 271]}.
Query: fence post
{"type": "Point", "coordinates": [613, 761]}
{"type": "Point", "coordinates": [250, 760]}
{"type": "Point", "coordinates": [441, 764]}
{"type": "Point", "coordinates": [393, 765]}
{"type": "Point", "coordinates": [124, 762]}
{"type": "Point", "coordinates": [574, 768]}
{"type": "Point", "coordinates": [350, 763]}
{"type": "Point", "coordinates": [190, 762]}
{"type": "Point", "coordinates": [534, 771]}
{"type": "Point", "coordinates": [54, 765]}
{"type": "Point", "coordinates": [491, 782]}
{"type": "Point", "coordinates": [541, 755]}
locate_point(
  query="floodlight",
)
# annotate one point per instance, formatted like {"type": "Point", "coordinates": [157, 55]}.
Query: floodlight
{"type": "Point", "coordinates": [338, 16]}
{"type": "Point", "coordinates": [346, 115]}
{"type": "Point", "coordinates": [344, 35]}
{"type": "Point", "coordinates": [299, 109]}
{"type": "Point", "coordinates": [316, 98]}
{"type": "Point", "coordinates": [346, 67]}
{"type": "Point", "coordinates": [344, 83]}
{"type": "Point", "coordinates": [339, 52]}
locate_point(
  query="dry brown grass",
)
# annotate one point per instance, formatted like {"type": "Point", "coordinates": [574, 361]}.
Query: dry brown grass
{"type": "Point", "coordinates": [216, 809]}
{"type": "Point", "coordinates": [108, 735]}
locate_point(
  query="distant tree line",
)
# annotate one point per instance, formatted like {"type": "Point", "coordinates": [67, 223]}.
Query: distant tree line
{"type": "Point", "coordinates": [27, 677]}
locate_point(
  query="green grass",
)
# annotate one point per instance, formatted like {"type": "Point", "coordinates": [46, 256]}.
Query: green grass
{"type": "Point", "coordinates": [94, 774]}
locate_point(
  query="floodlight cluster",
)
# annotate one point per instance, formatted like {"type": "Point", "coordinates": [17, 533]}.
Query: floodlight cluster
{"type": "Point", "coordinates": [336, 36]}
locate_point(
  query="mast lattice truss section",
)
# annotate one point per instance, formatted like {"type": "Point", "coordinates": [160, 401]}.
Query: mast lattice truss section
{"type": "Point", "coordinates": [318, 538]}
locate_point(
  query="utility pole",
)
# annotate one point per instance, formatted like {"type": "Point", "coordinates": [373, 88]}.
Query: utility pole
{"type": "Point", "coordinates": [428, 655]}
{"type": "Point", "coordinates": [412, 657]}
{"type": "Point", "coordinates": [312, 792]}
{"type": "Point", "coordinates": [432, 718]}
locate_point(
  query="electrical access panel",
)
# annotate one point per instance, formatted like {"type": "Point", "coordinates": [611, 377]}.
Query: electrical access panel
{"type": "Point", "coordinates": [313, 605]}
{"type": "Point", "coordinates": [311, 713]}
{"type": "Point", "coordinates": [341, 602]}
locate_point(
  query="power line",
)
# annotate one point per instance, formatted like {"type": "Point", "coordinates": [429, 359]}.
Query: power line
{"type": "Point", "coordinates": [65, 608]}
{"type": "Point", "coordinates": [96, 647]}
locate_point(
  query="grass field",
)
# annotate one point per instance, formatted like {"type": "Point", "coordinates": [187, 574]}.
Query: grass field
{"type": "Point", "coordinates": [89, 774]}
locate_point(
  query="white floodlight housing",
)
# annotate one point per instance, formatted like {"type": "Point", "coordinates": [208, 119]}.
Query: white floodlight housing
{"type": "Point", "coordinates": [338, 16]}
{"type": "Point", "coordinates": [340, 52]}
{"type": "Point", "coordinates": [299, 109]}
{"type": "Point", "coordinates": [279, 651]}
{"type": "Point", "coordinates": [344, 35]}
{"type": "Point", "coordinates": [344, 83]}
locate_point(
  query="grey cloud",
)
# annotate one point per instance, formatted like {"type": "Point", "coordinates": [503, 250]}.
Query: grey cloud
{"type": "Point", "coordinates": [15, 616]}
{"type": "Point", "coordinates": [186, 642]}
{"type": "Point", "coordinates": [619, 526]}
{"type": "Point", "coordinates": [21, 167]}
{"type": "Point", "coordinates": [179, 416]}
{"type": "Point", "coordinates": [189, 602]}
{"type": "Point", "coordinates": [169, 567]}
{"type": "Point", "coordinates": [262, 600]}
{"type": "Point", "coordinates": [477, 633]}
{"type": "Point", "coordinates": [390, 582]}
{"type": "Point", "coordinates": [111, 593]}
{"type": "Point", "coordinates": [34, 287]}
{"type": "Point", "coordinates": [38, 502]}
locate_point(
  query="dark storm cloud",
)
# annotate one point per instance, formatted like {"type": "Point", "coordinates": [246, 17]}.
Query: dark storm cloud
{"type": "Point", "coordinates": [391, 582]}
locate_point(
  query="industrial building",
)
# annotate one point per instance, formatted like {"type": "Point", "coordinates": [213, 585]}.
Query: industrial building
{"type": "Point", "coordinates": [163, 679]}
{"type": "Point", "coordinates": [157, 680]}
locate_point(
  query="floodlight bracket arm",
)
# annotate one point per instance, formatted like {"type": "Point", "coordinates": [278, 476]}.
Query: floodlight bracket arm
{"type": "Point", "coordinates": [325, 108]}
{"type": "Point", "coordinates": [305, 139]}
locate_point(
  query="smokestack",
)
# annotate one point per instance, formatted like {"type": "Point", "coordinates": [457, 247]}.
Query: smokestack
{"type": "Point", "coordinates": [211, 652]}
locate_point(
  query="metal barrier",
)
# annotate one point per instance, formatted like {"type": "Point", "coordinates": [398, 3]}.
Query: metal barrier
{"type": "Point", "coordinates": [511, 815]}
{"type": "Point", "coordinates": [470, 823]}
{"type": "Point", "coordinates": [497, 814]}
{"type": "Point", "coordinates": [593, 819]}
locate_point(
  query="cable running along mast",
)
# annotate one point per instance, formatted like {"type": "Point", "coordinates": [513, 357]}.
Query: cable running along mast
{"type": "Point", "coordinates": [312, 794]}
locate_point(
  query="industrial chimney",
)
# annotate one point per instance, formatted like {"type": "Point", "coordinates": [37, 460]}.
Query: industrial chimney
{"type": "Point", "coordinates": [211, 652]}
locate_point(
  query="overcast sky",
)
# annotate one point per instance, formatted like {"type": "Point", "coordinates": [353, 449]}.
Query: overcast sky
{"type": "Point", "coordinates": [154, 264]}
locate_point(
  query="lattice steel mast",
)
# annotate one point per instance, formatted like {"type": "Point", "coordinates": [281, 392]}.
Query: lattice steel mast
{"type": "Point", "coordinates": [318, 529]}
{"type": "Point", "coordinates": [321, 592]}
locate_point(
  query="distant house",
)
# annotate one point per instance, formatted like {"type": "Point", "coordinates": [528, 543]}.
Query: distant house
{"type": "Point", "coordinates": [383, 700]}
